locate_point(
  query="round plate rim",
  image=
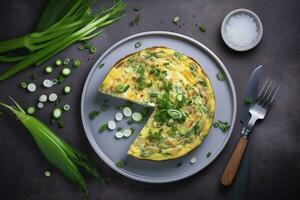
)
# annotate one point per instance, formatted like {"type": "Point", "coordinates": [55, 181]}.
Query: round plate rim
{"type": "Point", "coordinates": [97, 149]}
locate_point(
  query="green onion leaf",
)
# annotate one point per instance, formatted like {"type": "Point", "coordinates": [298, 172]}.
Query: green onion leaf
{"type": "Point", "coordinates": [220, 76]}
{"type": "Point", "coordinates": [56, 151]}
{"type": "Point", "coordinates": [94, 114]}
{"type": "Point", "coordinates": [103, 128]}
{"type": "Point", "coordinates": [202, 28]}
{"type": "Point", "coordinates": [248, 100]}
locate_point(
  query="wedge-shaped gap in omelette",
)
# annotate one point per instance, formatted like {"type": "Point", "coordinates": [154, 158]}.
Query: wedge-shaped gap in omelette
{"type": "Point", "coordinates": [108, 107]}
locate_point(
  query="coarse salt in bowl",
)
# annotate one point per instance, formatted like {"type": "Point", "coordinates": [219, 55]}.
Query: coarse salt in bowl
{"type": "Point", "coordinates": [241, 30]}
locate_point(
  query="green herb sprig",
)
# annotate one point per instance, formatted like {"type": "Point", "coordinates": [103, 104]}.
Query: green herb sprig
{"type": "Point", "coordinates": [222, 125]}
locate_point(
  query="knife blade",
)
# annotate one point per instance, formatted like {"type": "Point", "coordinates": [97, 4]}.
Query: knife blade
{"type": "Point", "coordinates": [241, 183]}
{"type": "Point", "coordinates": [250, 92]}
{"type": "Point", "coordinates": [234, 162]}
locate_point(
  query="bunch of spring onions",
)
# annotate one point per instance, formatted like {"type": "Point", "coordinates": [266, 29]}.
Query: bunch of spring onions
{"type": "Point", "coordinates": [57, 152]}
{"type": "Point", "coordinates": [61, 24]}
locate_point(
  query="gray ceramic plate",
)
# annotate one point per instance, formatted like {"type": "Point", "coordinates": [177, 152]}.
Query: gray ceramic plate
{"type": "Point", "coordinates": [111, 149]}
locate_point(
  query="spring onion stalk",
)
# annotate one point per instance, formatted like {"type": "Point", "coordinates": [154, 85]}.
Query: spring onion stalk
{"type": "Point", "coordinates": [56, 151]}
{"type": "Point", "coordinates": [78, 24]}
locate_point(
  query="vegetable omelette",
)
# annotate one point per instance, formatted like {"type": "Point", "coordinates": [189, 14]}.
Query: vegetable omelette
{"type": "Point", "coordinates": [179, 90]}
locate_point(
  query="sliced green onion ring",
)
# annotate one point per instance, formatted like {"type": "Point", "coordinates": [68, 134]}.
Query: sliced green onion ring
{"type": "Point", "coordinates": [76, 63]}
{"type": "Point", "coordinates": [23, 85]}
{"type": "Point", "coordinates": [30, 110]}
{"type": "Point", "coordinates": [49, 69]}
{"type": "Point", "coordinates": [67, 89]}
{"type": "Point", "coordinates": [54, 81]}
{"type": "Point", "coordinates": [40, 105]}
{"type": "Point", "coordinates": [66, 71]}
{"type": "Point", "coordinates": [56, 113]}
{"type": "Point", "coordinates": [66, 107]}
{"type": "Point", "coordinates": [93, 49]}
{"type": "Point", "coordinates": [58, 62]}
{"type": "Point", "coordinates": [137, 117]}
{"type": "Point", "coordinates": [176, 114]}
{"type": "Point", "coordinates": [43, 98]}
{"type": "Point", "coordinates": [31, 87]}
{"type": "Point", "coordinates": [66, 61]}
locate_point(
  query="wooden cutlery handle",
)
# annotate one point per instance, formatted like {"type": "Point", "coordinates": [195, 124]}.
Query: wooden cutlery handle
{"type": "Point", "coordinates": [234, 162]}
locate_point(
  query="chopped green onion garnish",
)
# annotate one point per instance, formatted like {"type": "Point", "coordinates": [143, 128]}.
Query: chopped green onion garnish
{"type": "Point", "coordinates": [58, 62]}
{"type": "Point", "coordinates": [132, 130]}
{"type": "Point", "coordinates": [76, 63]}
{"type": "Point", "coordinates": [87, 46]}
{"type": "Point", "coordinates": [101, 65]}
{"type": "Point", "coordinates": [56, 113]}
{"type": "Point", "coordinates": [222, 125]}
{"type": "Point", "coordinates": [31, 87]}
{"type": "Point", "coordinates": [66, 107]}
{"type": "Point", "coordinates": [103, 128]}
{"type": "Point", "coordinates": [216, 125]}
{"type": "Point", "coordinates": [176, 114]}
{"type": "Point", "coordinates": [60, 78]}
{"type": "Point", "coordinates": [208, 154]}
{"type": "Point", "coordinates": [248, 100]}
{"type": "Point", "coordinates": [47, 83]}
{"type": "Point", "coordinates": [30, 110]}
{"type": "Point", "coordinates": [66, 71]}
{"type": "Point", "coordinates": [47, 173]}
{"type": "Point", "coordinates": [135, 20]}
{"type": "Point", "coordinates": [179, 97]}
{"type": "Point", "coordinates": [120, 88]}
{"type": "Point", "coordinates": [43, 98]}
{"type": "Point", "coordinates": [138, 44]}
{"type": "Point", "coordinates": [66, 61]}
{"type": "Point", "coordinates": [137, 117]}
{"type": "Point", "coordinates": [202, 28]}
{"type": "Point", "coordinates": [119, 128]}
{"type": "Point", "coordinates": [54, 81]}
{"type": "Point", "coordinates": [220, 76]}
{"type": "Point", "coordinates": [23, 85]}
{"type": "Point", "coordinates": [40, 105]}
{"type": "Point", "coordinates": [94, 114]}
{"type": "Point", "coordinates": [48, 69]}
{"type": "Point", "coordinates": [52, 97]}
{"type": "Point", "coordinates": [119, 163]}
{"type": "Point", "coordinates": [93, 49]}
{"type": "Point", "coordinates": [67, 89]}
{"type": "Point", "coordinates": [176, 19]}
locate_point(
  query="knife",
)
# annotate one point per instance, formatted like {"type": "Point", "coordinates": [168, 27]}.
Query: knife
{"type": "Point", "coordinates": [251, 94]}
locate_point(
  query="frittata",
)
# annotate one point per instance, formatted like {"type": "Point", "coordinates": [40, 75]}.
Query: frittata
{"type": "Point", "coordinates": [179, 90]}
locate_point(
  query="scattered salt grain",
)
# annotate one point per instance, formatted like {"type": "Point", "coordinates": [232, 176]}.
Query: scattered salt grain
{"type": "Point", "coordinates": [241, 30]}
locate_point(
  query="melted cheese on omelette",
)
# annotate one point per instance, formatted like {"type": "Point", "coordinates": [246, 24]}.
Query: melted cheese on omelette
{"type": "Point", "coordinates": [178, 89]}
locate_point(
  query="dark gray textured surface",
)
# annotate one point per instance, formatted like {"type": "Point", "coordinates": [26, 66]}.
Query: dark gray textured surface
{"type": "Point", "coordinates": [274, 147]}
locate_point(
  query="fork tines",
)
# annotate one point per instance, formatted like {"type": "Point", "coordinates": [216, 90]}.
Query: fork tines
{"type": "Point", "coordinates": [267, 93]}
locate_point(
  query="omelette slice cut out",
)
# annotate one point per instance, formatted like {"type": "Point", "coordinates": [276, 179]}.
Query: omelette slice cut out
{"type": "Point", "coordinates": [179, 90]}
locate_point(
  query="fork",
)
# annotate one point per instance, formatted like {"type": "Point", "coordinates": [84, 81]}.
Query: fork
{"type": "Point", "coordinates": [258, 110]}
